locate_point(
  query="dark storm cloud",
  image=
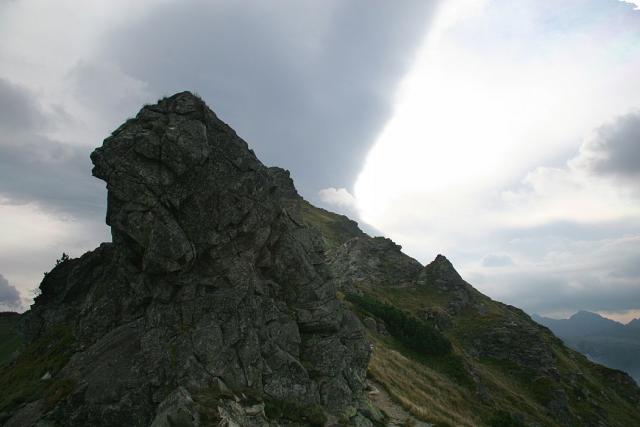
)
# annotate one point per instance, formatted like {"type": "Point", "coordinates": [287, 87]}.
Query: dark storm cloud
{"type": "Point", "coordinates": [19, 109]}
{"type": "Point", "coordinates": [9, 296]}
{"type": "Point", "coordinates": [308, 87]}
{"type": "Point", "coordinates": [35, 168]}
{"type": "Point", "coordinates": [56, 176]}
{"type": "Point", "coordinates": [615, 148]}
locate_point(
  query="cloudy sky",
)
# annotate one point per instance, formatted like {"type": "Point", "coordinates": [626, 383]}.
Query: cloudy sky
{"type": "Point", "coordinates": [505, 135]}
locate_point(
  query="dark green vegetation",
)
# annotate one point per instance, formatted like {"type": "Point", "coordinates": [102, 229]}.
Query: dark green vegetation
{"type": "Point", "coordinates": [418, 336]}
{"type": "Point", "coordinates": [415, 338]}
{"type": "Point", "coordinates": [10, 339]}
{"type": "Point", "coordinates": [22, 380]}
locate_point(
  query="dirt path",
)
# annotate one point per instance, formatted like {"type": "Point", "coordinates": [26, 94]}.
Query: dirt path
{"type": "Point", "coordinates": [398, 416]}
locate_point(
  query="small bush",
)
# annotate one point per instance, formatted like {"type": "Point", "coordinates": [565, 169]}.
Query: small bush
{"type": "Point", "coordinates": [63, 258]}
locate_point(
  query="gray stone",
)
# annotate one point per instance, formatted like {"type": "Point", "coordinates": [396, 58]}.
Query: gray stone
{"type": "Point", "coordinates": [372, 261]}
{"type": "Point", "coordinates": [213, 289]}
{"type": "Point", "coordinates": [177, 410]}
{"type": "Point", "coordinates": [370, 323]}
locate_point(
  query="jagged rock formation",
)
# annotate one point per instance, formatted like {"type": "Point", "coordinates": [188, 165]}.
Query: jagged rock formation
{"type": "Point", "coordinates": [213, 300]}
{"type": "Point", "coordinates": [368, 263]}
{"type": "Point", "coordinates": [225, 299]}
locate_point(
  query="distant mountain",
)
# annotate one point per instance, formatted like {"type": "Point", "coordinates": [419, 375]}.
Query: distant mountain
{"type": "Point", "coordinates": [635, 323]}
{"type": "Point", "coordinates": [602, 340]}
{"type": "Point", "coordinates": [579, 325]}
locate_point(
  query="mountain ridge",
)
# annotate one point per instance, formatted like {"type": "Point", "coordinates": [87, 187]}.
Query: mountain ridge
{"type": "Point", "coordinates": [611, 343]}
{"type": "Point", "coordinates": [481, 330]}
{"type": "Point", "coordinates": [225, 298]}
{"type": "Point", "coordinates": [579, 324]}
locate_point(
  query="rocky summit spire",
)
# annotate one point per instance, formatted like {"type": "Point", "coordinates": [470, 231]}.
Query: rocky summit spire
{"type": "Point", "coordinates": [178, 181]}
{"type": "Point", "coordinates": [211, 304]}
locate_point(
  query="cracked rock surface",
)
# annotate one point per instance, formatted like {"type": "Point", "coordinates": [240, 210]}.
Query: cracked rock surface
{"type": "Point", "coordinates": [212, 296]}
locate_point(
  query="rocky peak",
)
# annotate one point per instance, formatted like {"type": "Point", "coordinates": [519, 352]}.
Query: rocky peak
{"type": "Point", "coordinates": [586, 315]}
{"type": "Point", "coordinates": [441, 273]}
{"type": "Point", "coordinates": [286, 189]}
{"type": "Point", "coordinates": [443, 268]}
{"type": "Point", "coordinates": [178, 179]}
{"type": "Point", "coordinates": [211, 298]}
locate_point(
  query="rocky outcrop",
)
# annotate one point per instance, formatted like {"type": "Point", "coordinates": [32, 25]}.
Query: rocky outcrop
{"type": "Point", "coordinates": [365, 262]}
{"type": "Point", "coordinates": [518, 340]}
{"type": "Point", "coordinates": [372, 261]}
{"type": "Point", "coordinates": [212, 298]}
{"type": "Point", "coordinates": [441, 273]}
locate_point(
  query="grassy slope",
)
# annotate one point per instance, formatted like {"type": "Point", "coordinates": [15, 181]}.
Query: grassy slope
{"type": "Point", "coordinates": [9, 338]}
{"type": "Point", "coordinates": [335, 229]}
{"type": "Point", "coordinates": [22, 379]}
{"type": "Point", "coordinates": [425, 389]}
